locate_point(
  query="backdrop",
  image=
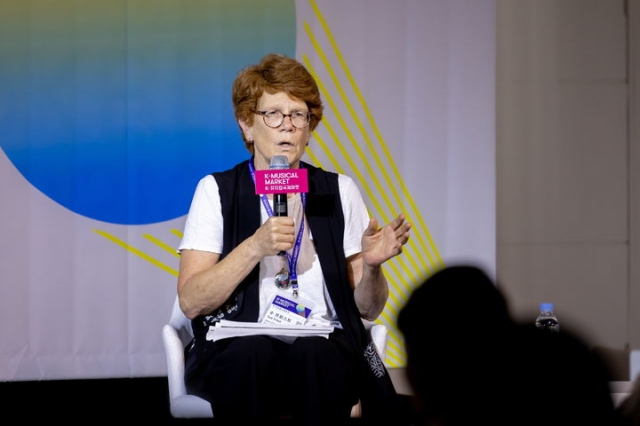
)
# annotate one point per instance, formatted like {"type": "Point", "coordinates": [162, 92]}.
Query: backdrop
{"type": "Point", "coordinates": [112, 110]}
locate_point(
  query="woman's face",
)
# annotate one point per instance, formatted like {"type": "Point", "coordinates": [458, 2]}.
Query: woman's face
{"type": "Point", "coordinates": [286, 139]}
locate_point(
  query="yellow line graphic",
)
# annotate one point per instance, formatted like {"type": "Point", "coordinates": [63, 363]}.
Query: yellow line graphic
{"type": "Point", "coordinates": [162, 245]}
{"type": "Point", "coordinates": [437, 262]}
{"type": "Point", "coordinates": [421, 256]}
{"type": "Point", "coordinates": [138, 252]}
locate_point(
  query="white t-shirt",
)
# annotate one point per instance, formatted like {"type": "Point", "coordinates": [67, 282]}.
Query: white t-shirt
{"type": "Point", "coordinates": [204, 231]}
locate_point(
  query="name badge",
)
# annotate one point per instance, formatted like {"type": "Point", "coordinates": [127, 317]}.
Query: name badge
{"type": "Point", "coordinates": [285, 311]}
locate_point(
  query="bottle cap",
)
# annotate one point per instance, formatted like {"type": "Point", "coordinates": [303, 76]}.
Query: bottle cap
{"type": "Point", "coordinates": [546, 307]}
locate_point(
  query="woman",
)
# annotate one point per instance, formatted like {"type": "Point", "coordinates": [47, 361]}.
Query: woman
{"type": "Point", "coordinates": [230, 268]}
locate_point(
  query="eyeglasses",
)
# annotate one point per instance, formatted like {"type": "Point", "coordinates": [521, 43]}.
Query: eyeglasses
{"type": "Point", "coordinates": [275, 118]}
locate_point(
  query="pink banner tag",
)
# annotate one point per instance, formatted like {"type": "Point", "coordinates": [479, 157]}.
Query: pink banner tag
{"type": "Point", "coordinates": [283, 181]}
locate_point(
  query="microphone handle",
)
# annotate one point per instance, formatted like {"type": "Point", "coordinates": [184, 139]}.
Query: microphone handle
{"type": "Point", "coordinates": [280, 205]}
{"type": "Point", "coordinates": [280, 208]}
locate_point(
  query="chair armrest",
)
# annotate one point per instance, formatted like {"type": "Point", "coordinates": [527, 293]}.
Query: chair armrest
{"type": "Point", "coordinates": [379, 334]}
{"type": "Point", "coordinates": [174, 352]}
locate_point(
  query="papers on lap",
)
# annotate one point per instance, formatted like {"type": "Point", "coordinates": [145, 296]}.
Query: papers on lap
{"type": "Point", "coordinates": [225, 329]}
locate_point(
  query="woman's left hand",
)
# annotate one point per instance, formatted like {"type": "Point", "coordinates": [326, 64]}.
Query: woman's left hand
{"type": "Point", "coordinates": [381, 244]}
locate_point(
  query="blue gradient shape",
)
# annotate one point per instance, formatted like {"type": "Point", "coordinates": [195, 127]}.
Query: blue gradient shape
{"type": "Point", "coordinates": [117, 122]}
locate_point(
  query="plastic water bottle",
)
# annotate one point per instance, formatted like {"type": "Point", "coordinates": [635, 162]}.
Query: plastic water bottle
{"type": "Point", "coordinates": [547, 320]}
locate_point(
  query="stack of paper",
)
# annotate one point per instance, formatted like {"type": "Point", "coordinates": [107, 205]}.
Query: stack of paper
{"type": "Point", "coordinates": [226, 328]}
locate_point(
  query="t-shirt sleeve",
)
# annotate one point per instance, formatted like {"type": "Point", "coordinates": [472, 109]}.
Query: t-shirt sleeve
{"type": "Point", "coordinates": [356, 215]}
{"type": "Point", "coordinates": [203, 227]}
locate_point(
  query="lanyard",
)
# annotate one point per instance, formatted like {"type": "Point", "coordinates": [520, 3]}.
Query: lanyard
{"type": "Point", "coordinates": [293, 258]}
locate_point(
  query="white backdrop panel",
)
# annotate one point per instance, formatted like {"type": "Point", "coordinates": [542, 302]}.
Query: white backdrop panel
{"type": "Point", "coordinates": [411, 117]}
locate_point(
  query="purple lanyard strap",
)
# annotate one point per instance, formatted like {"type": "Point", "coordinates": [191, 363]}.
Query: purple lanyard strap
{"type": "Point", "coordinates": [293, 258]}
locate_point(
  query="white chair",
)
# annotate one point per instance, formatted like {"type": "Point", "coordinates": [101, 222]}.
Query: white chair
{"type": "Point", "coordinates": [175, 336]}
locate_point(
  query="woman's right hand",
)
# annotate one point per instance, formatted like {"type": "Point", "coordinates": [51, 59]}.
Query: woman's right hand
{"type": "Point", "coordinates": [275, 235]}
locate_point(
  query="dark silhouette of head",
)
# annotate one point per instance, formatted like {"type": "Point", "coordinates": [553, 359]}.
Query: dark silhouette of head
{"type": "Point", "coordinates": [454, 325]}
{"type": "Point", "coordinates": [470, 362]}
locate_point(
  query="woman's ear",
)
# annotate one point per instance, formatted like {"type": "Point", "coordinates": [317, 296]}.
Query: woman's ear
{"type": "Point", "coordinates": [246, 130]}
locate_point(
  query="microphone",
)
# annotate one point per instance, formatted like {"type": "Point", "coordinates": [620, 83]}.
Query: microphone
{"type": "Point", "coordinates": [280, 208]}
{"type": "Point", "coordinates": [279, 162]}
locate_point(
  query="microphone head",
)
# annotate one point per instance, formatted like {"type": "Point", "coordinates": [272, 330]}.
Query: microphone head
{"type": "Point", "coordinates": [279, 162]}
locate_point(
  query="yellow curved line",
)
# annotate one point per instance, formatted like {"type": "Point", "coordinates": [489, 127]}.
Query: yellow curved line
{"type": "Point", "coordinates": [409, 254]}
{"type": "Point", "coordinates": [359, 174]}
{"type": "Point", "coordinates": [320, 141]}
{"type": "Point", "coordinates": [360, 97]}
{"type": "Point", "coordinates": [399, 293]}
{"type": "Point", "coordinates": [361, 178]}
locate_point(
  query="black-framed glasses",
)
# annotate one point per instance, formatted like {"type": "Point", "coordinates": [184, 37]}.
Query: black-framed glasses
{"type": "Point", "coordinates": [274, 118]}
